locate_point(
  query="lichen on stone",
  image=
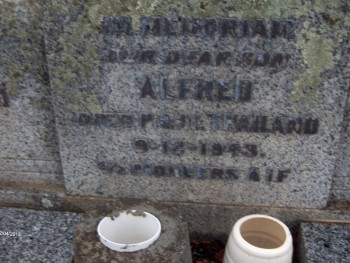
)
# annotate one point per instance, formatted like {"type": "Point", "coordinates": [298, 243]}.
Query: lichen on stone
{"type": "Point", "coordinates": [320, 45]}
{"type": "Point", "coordinates": [318, 56]}
{"type": "Point", "coordinates": [22, 38]}
{"type": "Point", "coordinates": [46, 203]}
{"type": "Point", "coordinates": [77, 63]}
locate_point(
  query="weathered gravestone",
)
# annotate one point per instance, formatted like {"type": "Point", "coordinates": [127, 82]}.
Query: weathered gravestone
{"type": "Point", "coordinates": [28, 142]}
{"type": "Point", "coordinates": [235, 103]}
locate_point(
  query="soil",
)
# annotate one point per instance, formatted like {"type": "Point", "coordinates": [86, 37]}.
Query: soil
{"type": "Point", "coordinates": [207, 251]}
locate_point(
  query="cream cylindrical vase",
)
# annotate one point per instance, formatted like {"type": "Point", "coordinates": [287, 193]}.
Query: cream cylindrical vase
{"type": "Point", "coordinates": [259, 239]}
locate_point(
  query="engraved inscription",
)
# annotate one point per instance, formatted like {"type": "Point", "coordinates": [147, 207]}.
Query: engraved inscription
{"type": "Point", "coordinates": [251, 174]}
{"type": "Point", "coordinates": [180, 147]}
{"type": "Point", "coordinates": [199, 27]}
{"type": "Point", "coordinates": [129, 55]}
{"type": "Point", "coordinates": [198, 89]}
{"type": "Point", "coordinates": [227, 122]}
{"type": "Point", "coordinates": [180, 59]}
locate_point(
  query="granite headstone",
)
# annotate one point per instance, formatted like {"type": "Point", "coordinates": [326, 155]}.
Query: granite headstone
{"type": "Point", "coordinates": [232, 103]}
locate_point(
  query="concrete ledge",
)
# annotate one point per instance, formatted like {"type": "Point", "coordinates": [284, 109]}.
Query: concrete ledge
{"type": "Point", "coordinates": [203, 219]}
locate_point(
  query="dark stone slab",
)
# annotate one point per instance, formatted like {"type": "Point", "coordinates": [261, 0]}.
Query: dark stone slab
{"type": "Point", "coordinates": [36, 236]}
{"type": "Point", "coordinates": [324, 242]}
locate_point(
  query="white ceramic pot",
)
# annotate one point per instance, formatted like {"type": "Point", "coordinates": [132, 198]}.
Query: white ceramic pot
{"type": "Point", "coordinates": [129, 231]}
{"type": "Point", "coordinates": [259, 239]}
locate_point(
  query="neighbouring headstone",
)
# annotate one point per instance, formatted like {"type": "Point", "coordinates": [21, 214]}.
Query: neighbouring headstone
{"type": "Point", "coordinates": [233, 103]}
{"type": "Point", "coordinates": [29, 151]}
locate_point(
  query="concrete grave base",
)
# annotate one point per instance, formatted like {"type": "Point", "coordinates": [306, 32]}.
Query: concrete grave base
{"type": "Point", "coordinates": [172, 246]}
